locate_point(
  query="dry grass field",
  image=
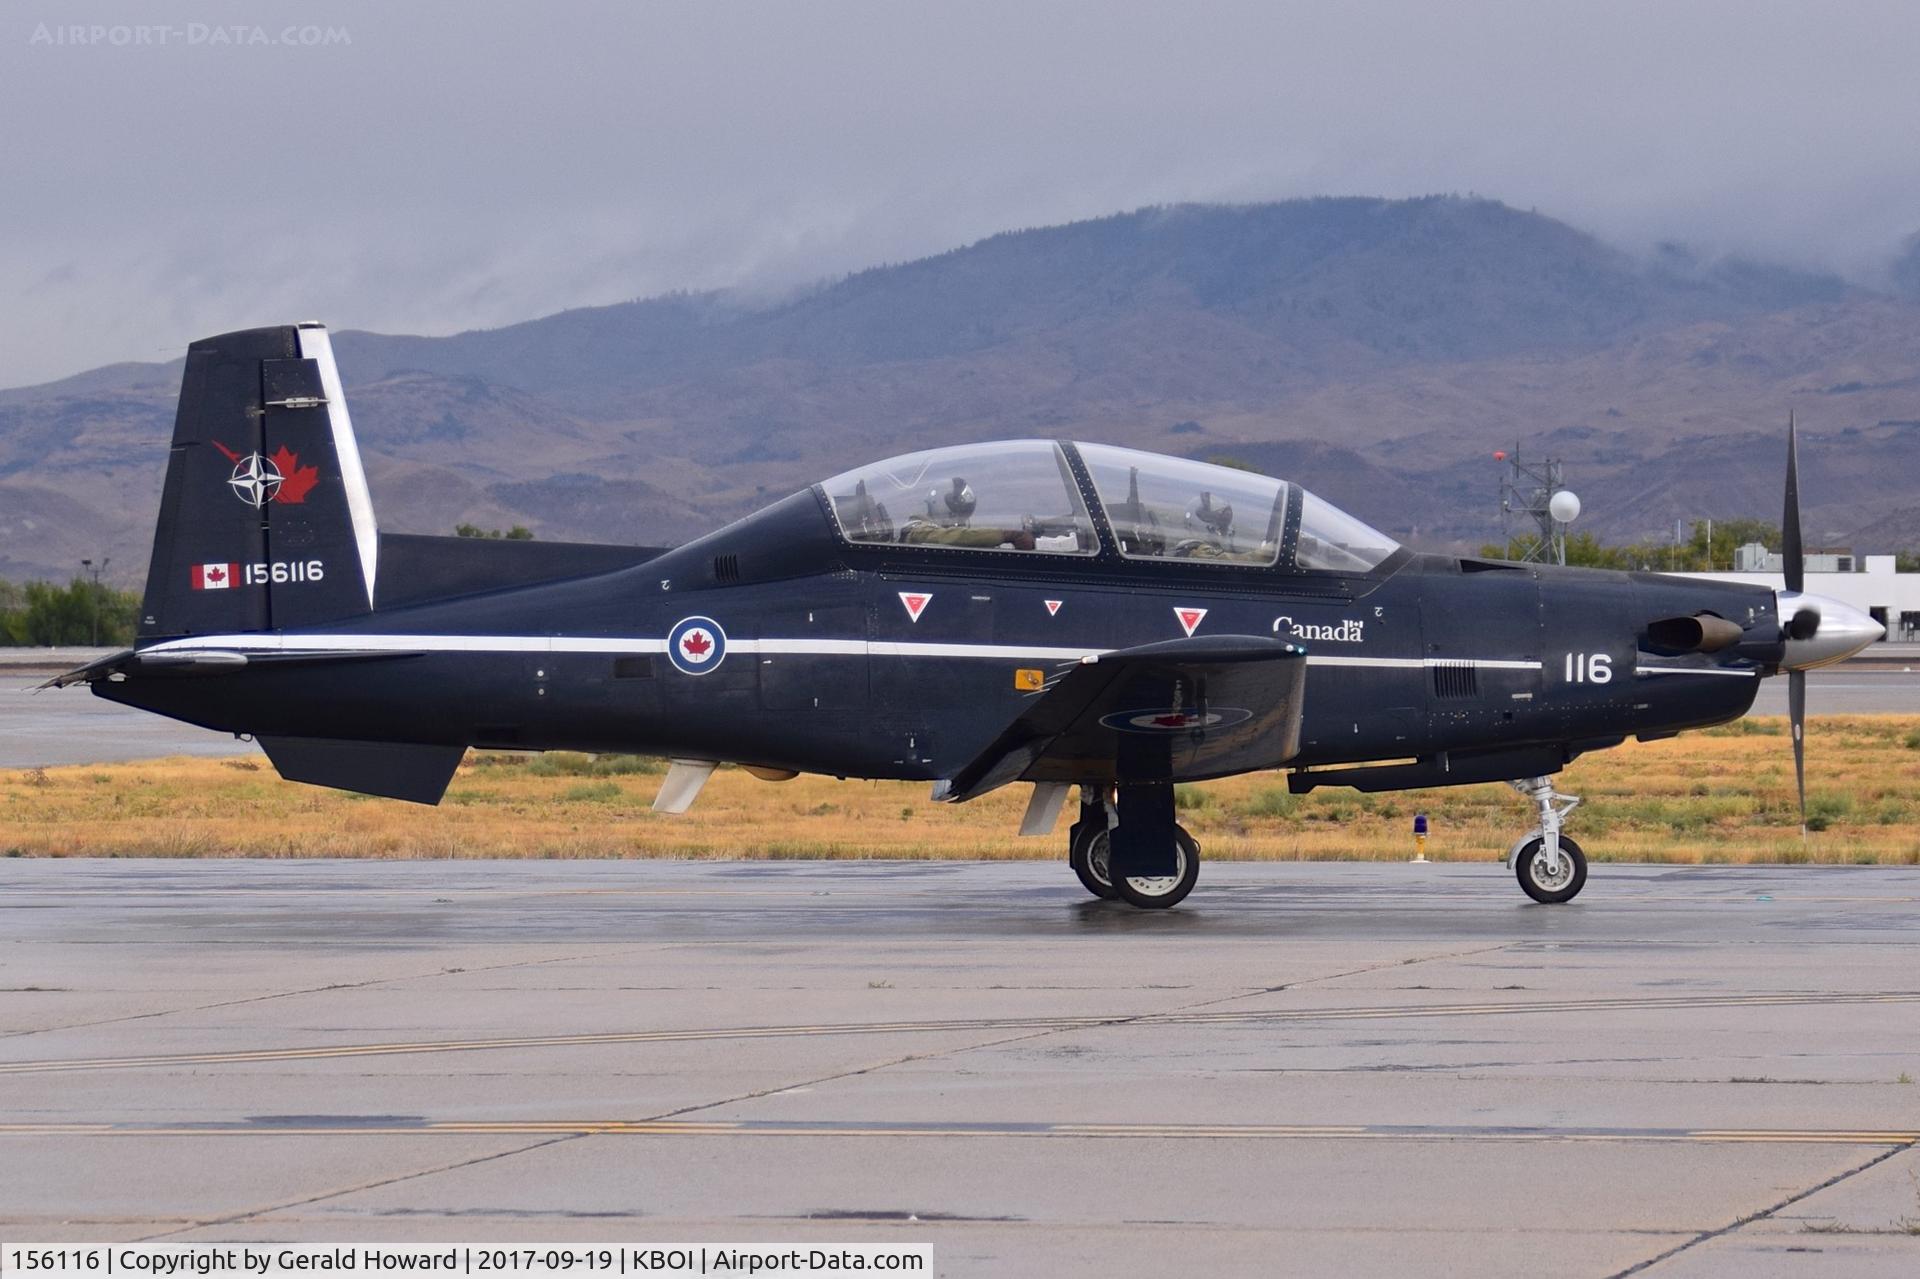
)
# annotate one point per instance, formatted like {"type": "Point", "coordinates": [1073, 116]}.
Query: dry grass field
{"type": "Point", "coordinates": [1721, 795]}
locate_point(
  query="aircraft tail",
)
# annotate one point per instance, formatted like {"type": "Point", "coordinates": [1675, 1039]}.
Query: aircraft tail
{"type": "Point", "coordinates": [265, 521]}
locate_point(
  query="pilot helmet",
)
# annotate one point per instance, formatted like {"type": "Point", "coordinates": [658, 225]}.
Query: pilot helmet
{"type": "Point", "coordinates": [1203, 514]}
{"type": "Point", "coordinates": [960, 500]}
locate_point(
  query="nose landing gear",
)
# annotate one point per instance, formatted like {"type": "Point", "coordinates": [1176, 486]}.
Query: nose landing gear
{"type": "Point", "coordinates": [1550, 866]}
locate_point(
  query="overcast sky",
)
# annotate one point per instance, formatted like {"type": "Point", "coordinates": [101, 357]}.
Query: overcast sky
{"type": "Point", "coordinates": [432, 168]}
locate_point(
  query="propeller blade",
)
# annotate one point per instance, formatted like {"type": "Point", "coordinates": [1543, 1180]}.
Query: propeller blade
{"type": "Point", "coordinates": [1793, 560]}
{"type": "Point", "coordinates": [1797, 714]}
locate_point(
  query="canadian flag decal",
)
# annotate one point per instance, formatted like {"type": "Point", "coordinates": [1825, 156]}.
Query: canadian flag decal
{"type": "Point", "coordinates": [915, 602]}
{"type": "Point", "coordinates": [1053, 606]}
{"type": "Point", "coordinates": [1189, 619]}
{"type": "Point", "coordinates": [214, 577]}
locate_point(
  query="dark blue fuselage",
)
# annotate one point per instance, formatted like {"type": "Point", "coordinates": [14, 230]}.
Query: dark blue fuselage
{"type": "Point", "coordinates": [906, 662]}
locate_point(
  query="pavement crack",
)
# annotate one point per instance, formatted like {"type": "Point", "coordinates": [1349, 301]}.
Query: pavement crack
{"type": "Point", "coordinates": [1761, 1215]}
{"type": "Point", "coordinates": [1356, 972]}
{"type": "Point", "coordinates": [309, 1200]}
{"type": "Point", "coordinates": [317, 990]}
{"type": "Point", "coordinates": [855, 1073]}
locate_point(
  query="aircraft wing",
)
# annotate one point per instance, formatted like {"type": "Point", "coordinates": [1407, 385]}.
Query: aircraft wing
{"type": "Point", "coordinates": [1181, 710]}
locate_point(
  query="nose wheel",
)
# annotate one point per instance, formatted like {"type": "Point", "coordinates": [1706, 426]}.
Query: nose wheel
{"type": "Point", "coordinates": [1551, 868]}
{"type": "Point", "coordinates": [1549, 881]}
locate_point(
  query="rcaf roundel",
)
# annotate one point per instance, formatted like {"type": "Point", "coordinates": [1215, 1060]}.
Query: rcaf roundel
{"type": "Point", "coordinates": [915, 602]}
{"type": "Point", "coordinates": [696, 645]}
{"type": "Point", "coordinates": [1053, 606]}
{"type": "Point", "coordinates": [1189, 619]}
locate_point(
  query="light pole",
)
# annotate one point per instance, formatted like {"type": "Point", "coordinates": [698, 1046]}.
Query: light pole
{"type": "Point", "coordinates": [88, 567]}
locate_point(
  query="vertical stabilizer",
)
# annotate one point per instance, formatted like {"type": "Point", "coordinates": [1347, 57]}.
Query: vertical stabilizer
{"type": "Point", "coordinates": [265, 522]}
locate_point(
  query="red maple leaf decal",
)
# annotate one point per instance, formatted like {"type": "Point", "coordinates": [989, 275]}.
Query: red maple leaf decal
{"type": "Point", "coordinates": [216, 574]}
{"type": "Point", "coordinates": [295, 480]}
{"type": "Point", "coordinates": [1175, 720]}
{"type": "Point", "coordinates": [696, 644]}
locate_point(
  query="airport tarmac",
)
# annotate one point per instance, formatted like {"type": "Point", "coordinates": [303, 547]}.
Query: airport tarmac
{"type": "Point", "coordinates": [1308, 1069]}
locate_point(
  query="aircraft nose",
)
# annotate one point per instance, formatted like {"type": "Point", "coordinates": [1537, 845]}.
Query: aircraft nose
{"type": "Point", "coordinates": [1821, 630]}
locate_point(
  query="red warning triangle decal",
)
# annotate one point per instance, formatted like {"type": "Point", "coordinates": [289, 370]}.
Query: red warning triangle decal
{"type": "Point", "coordinates": [1053, 606]}
{"type": "Point", "coordinates": [1189, 619]}
{"type": "Point", "coordinates": [915, 603]}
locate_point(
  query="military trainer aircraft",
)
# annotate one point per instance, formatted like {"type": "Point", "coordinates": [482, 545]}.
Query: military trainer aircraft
{"type": "Point", "coordinates": [1067, 615]}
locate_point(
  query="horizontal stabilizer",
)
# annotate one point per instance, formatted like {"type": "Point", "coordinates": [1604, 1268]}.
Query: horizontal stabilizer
{"type": "Point", "coordinates": [99, 668]}
{"type": "Point", "coordinates": [205, 659]}
{"type": "Point", "coordinates": [1180, 710]}
{"type": "Point", "coordinates": [396, 770]}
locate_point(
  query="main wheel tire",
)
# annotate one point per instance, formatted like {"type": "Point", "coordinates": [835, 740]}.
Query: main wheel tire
{"type": "Point", "coordinates": [1157, 892]}
{"type": "Point", "coordinates": [1088, 857]}
{"type": "Point", "coordinates": [1547, 889]}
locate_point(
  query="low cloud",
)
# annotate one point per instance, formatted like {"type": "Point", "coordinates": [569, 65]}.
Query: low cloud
{"type": "Point", "coordinates": [444, 169]}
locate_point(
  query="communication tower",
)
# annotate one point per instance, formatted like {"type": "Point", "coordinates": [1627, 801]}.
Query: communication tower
{"type": "Point", "coordinates": [1535, 500]}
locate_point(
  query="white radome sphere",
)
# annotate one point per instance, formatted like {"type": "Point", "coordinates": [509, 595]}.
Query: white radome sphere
{"type": "Point", "coordinates": [1564, 506]}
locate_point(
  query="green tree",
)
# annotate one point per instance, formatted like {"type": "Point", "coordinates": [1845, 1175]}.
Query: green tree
{"type": "Point", "coordinates": [1727, 536]}
{"type": "Point", "coordinates": [518, 533]}
{"type": "Point", "coordinates": [78, 613]}
{"type": "Point", "coordinates": [1694, 555]}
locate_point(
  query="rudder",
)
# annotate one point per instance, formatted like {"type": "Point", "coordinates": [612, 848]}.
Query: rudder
{"type": "Point", "coordinates": [266, 522]}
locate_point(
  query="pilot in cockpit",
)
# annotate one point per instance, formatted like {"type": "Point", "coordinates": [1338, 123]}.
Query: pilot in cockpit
{"type": "Point", "coordinates": [949, 522]}
{"type": "Point", "coordinates": [1210, 535]}
{"type": "Point", "coordinates": [865, 519]}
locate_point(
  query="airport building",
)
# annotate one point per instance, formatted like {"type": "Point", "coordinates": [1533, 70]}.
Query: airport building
{"type": "Point", "coordinates": [1868, 582]}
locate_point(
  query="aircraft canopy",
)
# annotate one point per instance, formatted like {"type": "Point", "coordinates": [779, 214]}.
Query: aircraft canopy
{"type": "Point", "coordinates": [1023, 496]}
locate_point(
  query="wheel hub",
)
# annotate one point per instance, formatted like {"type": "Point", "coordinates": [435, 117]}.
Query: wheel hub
{"type": "Point", "coordinates": [1552, 876]}
{"type": "Point", "coordinates": [1160, 885]}
{"type": "Point", "coordinates": [1100, 862]}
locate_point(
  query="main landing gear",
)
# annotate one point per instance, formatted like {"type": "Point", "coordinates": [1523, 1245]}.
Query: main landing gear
{"type": "Point", "coordinates": [1090, 853]}
{"type": "Point", "coordinates": [1550, 866]}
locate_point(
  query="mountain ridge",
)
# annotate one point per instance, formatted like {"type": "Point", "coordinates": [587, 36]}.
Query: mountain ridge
{"type": "Point", "coordinates": [1408, 337]}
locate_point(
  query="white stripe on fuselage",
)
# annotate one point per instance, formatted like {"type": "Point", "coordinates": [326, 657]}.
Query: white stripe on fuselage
{"type": "Point", "coordinates": [1417, 663]}
{"type": "Point", "coordinates": [265, 643]}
